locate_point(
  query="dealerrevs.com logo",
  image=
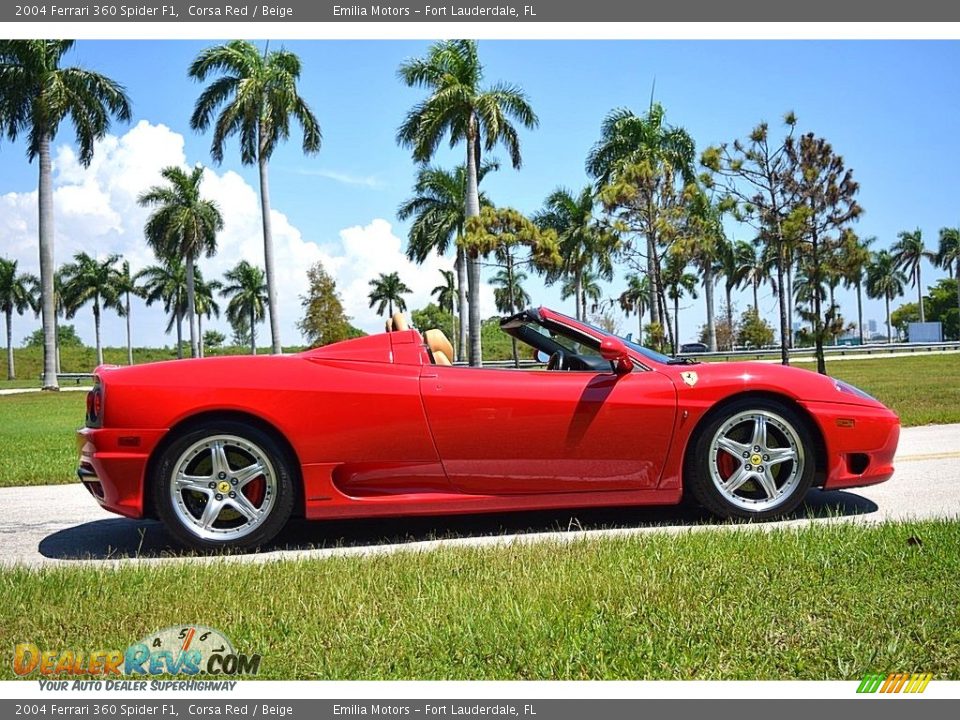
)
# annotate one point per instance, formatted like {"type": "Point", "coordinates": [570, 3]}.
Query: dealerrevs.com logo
{"type": "Point", "coordinates": [178, 650]}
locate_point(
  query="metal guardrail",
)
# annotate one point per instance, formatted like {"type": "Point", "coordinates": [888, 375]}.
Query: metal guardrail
{"type": "Point", "coordinates": [828, 350]}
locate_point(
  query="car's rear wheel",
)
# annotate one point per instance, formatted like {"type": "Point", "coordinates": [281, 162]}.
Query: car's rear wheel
{"type": "Point", "coordinates": [224, 485]}
{"type": "Point", "coordinates": [752, 460]}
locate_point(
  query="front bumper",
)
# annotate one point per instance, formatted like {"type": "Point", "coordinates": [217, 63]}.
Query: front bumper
{"type": "Point", "coordinates": [861, 442]}
{"type": "Point", "coordinates": [112, 466]}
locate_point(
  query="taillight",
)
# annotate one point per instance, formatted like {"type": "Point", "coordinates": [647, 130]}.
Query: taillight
{"type": "Point", "coordinates": [95, 406]}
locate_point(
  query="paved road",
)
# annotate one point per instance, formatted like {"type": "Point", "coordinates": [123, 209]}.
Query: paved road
{"type": "Point", "coordinates": [62, 525]}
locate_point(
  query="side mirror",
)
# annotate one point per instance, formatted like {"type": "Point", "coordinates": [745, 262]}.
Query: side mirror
{"type": "Point", "coordinates": [615, 351]}
{"type": "Point", "coordinates": [541, 357]}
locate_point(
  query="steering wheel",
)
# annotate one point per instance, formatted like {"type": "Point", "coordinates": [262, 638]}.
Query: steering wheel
{"type": "Point", "coordinates": [558, 361]}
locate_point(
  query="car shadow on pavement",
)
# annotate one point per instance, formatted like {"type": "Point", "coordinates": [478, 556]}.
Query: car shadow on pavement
{"type": "Point", "coordinates": [119, 538]}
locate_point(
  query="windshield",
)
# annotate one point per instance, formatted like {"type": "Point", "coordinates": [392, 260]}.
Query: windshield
{"type": "Point", "coordinates": [646, 352]}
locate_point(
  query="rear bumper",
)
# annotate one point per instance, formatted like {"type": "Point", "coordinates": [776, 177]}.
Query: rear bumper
{"type": "Point", "coordinates": [860, 443]}
{"type": "Point", "coordinates": [112, 466]}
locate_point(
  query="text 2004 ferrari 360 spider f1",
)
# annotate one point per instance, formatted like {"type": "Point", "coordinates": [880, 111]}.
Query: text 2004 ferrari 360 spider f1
{"type": "Point", "coordinates": [225, 450]}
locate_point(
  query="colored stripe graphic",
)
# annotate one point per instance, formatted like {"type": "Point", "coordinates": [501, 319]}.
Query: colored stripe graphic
{"type": "Point", "coordinates": [895, 683]}
{"type": "Point", "coordinates": [870, 683]}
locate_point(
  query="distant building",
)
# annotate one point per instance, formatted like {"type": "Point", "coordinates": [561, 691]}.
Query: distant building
{"type": "Point", "coordinates": [871, 326]}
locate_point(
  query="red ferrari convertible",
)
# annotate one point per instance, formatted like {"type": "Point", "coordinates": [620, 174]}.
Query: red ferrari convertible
{"type": "Point", "coordinates": [225, 450]}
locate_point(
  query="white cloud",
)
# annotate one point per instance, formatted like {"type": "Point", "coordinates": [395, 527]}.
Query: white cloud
{"type": "Point", "coordinates": [96, 211]}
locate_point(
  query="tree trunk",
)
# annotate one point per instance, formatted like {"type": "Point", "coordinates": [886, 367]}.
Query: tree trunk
{"type": "Point", "coordinates": [711, 321]}
{"type": "Point", "coordinates": [179, 317]}
{"type": "Point", "coordinates": [651, 273]}
{"type": "Point", "coordinates": [200, 335]}
{"type": "Point", "coordinates": [513, 306]}
{"type": "Point", "coordinates": [756, 304]}
{"type": "Point", "coordinates": [48, 310]}
{"type": "Point", "coordinates": [817, 306]}
{"type": "Point", "coordinates": [578, 294]}
{"type": "Point", "coordinates": [920, 294]}
{"type": "Point", "coordinates": [192, 306]}
{"type": "Point", "coordinates": [253, 332]}
{"type": "Point", "coordinates": [676, 324]}
{"type": "Point", "coordinates": [472, 209]}
{"type": "Point", "coordinates": [785, 329]}
{"type": "Point", "coordinates": [462, 303]}
{"type": "Point", "coordinates": [860, 310]}
{"type": "Point", "coordinates": [11, 372]}
{"type": "Point", "coordinates": [268, 251]}
{"type": "Point", "coordinates": [730, 316]}
{"type": "Point", "coordinates": [957, 278]}
{"type": "Point", "coordinates": [129, 339]}
{"type": "Point", "coordinates": [96, 328]}
{"type": "Point", "coordinates": [790, 308]}
{"type": "Point", "coordinates": [889, 326]}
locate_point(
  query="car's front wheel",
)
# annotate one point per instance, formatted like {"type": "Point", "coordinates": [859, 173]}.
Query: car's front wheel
{"type": "Point", "coordinates": [224, 485]}
{"type": "Point", "coordinates": [752, 460]}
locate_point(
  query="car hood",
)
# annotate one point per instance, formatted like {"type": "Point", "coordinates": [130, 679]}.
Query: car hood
{"type": "Point", "coordinates": [798, 383]}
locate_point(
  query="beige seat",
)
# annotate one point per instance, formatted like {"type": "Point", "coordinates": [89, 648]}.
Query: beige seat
{"type": "Point", "coordinates": [397, 323]}
{"type": "Point", "coordinates": [441, 349]}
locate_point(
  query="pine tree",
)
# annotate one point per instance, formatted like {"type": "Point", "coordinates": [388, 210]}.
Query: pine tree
{"type": "Point", "coordinates": [324, 320]}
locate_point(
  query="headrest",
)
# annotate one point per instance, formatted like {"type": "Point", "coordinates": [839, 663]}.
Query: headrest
{"type": "Point", "coordinates": [399, 322]}
{"type": "Point", "coordinates": [440, 358]}
{"type": "Point", "coordinates": [438, 343]}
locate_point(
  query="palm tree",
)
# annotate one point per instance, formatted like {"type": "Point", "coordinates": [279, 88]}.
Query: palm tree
{"type": "Point", "coordinates": [258, 95]}
{"type": "Point", "coordinates": [909, 252]}
{"type": "Point", "coordinates": [855, 257]}
{"type": "Point", "coordinates": [388, 291]}
{"type": "Point", "coordinates": [759, 264]}
{"type": "Point", "coordinates": [246, 287]}
{"type": "Point", "coordinates": [16, 295]}
{"type": "Point", "coordinates": [585, 243]}
{"type": "Point", "coordinates": [479, 117]}
{"type": "Point", "coordinates": [627, 140]}
{"type": "Point", "coordinates": [446, 295]}
{"type": "Point", "coordinates": [588, 288]}
{"type": "Point", "coordinates": [36, 95]}
{"type": "Point", "coordinates": [510, 297]}
{"type": "Point", "coordinates": [439, 211]}
{"type": "Point", "coordinates": [125, 285]}
{"type": "Point", "coordinates": [948, 254]}
{"type": "Point", "coordinates": [87, 279]}
{"type": "Point", "coordinates": [736, 261]}
{"type": "Point", "coordinates": [167, 283]}
{"type": "Point", "coordinates": [886, 280]}
{"type": "Point", "coordinates": [676, 281]}
{"type": "Point", "coordinates": [182, 224]}
{"type": "Point", "coordinates": [635, 298]}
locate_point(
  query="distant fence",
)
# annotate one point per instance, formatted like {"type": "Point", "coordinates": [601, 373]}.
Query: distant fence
{"type": "Point", "coordinates": [831, 350]}
{"type": "Point", "coordinates": [795, 353]}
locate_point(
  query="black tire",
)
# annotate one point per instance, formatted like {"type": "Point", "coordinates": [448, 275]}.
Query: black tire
{"type": "Point", "coordinates": [229, 530]}
{"type": "Point", "coordinates": [705, 464]}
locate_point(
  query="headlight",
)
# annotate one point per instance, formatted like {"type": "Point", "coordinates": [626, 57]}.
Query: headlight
{"type": "Point", "coordinates": [848, 388]}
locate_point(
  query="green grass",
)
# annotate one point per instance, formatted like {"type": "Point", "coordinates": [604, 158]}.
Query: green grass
{"type": "Point", "coordinates": [825, 602]}
{"type": "Point", "coordinates": [37, 446]}
{"type": "Point", "coordinates": [923, 390]}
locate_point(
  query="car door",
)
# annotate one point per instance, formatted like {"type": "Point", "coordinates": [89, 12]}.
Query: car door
{"type": "Point", "coordinates": [502, 431]}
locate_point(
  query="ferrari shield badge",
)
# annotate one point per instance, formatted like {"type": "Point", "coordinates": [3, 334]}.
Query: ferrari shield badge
{"type": "Point", "coordinates": [689, 377]}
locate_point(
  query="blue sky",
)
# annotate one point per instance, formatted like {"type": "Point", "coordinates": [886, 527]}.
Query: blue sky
{"type": "Point", "coordinates": [892, 109]}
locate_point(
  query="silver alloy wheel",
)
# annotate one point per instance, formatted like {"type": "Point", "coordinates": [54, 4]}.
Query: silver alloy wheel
{"type": "Point", "coordinates": [223, 487]}
{"type": "Point", "coordinates": [756, 460]}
